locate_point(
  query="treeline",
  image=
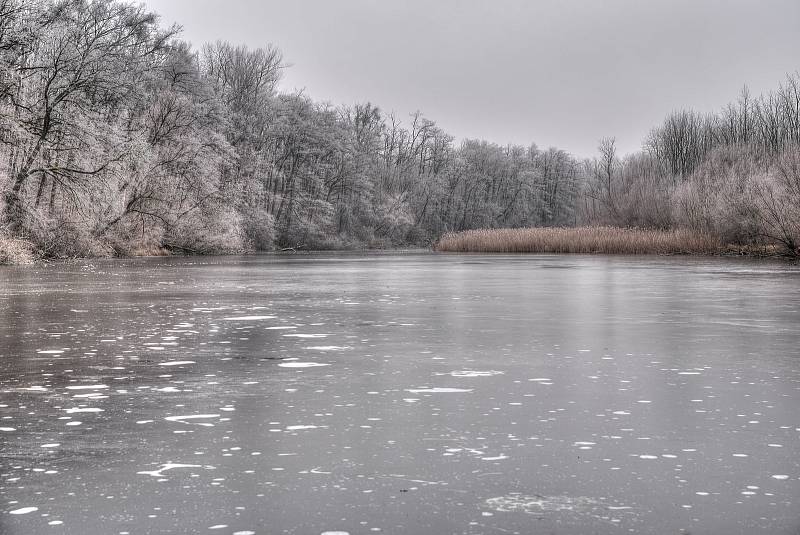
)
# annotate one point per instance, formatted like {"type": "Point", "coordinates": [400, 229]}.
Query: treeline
{"type": "Point", "coordinates": [733, 175]}
{"type": "Point", "coordinates": [118, 138]}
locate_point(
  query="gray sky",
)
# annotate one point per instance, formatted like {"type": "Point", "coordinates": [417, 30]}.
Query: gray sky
{"type": "Point", "coordinates": [555, 72]}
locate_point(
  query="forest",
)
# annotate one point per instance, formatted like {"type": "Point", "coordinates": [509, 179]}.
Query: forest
{"type": "Point", "coordinates": [117, 138]}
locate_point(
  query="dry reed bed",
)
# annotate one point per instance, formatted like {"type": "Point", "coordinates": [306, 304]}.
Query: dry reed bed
{"type": "Point", "coordinates": [603, 240]}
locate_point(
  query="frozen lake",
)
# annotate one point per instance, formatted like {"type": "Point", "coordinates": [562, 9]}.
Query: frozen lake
{"type": "Point", "coordinates": [400, 393]}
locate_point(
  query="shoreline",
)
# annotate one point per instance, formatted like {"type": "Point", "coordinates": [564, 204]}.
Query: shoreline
{"type": "Point", "coordinates": [731, 253]}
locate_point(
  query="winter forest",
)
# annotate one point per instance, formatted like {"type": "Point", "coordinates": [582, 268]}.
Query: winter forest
{"type": "Point", "coordinates": [119, 138]}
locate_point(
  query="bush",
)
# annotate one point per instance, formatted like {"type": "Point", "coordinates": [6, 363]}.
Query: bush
{"type": "Point", "coordinates": [58, 237]}
{"type": "Point", "coordinates": [258, 226]}
{"type": "Point", "coordinates": [14, 251]}
{"type": "Point", "coordinates": [212, 232]}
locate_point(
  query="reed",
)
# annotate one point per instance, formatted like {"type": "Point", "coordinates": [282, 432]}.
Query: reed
{"type": "Point", "coordinates": [600, 240]}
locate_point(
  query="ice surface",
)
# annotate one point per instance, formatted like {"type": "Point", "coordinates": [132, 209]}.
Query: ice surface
{"type": "Point", "coordinates": [302, 364]}
{"type": "Point", "coordinates": [528, 390]}
{"type": "Point", "coordinates": [438, 390]}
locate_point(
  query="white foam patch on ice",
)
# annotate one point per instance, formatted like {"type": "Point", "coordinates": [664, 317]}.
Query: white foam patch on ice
{"type": "Point", "coordinates": [328, 348]}
{"type": "Point", "coordinates": [23, 511]}
{"type": "Point", "coordinates": [541, 504]}
{"type": "Point", "coordinates": [300, 427]}
{"type": "Point", "coordinates": [7, 429]}
{"type": "Point", "coordinates": [780, 477]}
{"type": "Point", "coordinates": [249, 318]}
{"type": "Point", "coordinates": [177, 363]}
{"type": "Point", "coordinates": [438, 390]}
{"type": "Point", "coordinates": [302, 364]}
{"type": "Point", "coordinates": [476, 373]}
{"type": "Point", "coordinates": [50, 352]}
{"type": "Point", "coordinates": [500, 457]}
{"type": "Point", "coordinates": [87, 387]}
{"type": "Point", "coordinates": [82, 409]}
{"type": "Point", "coordinates": [334, 533]}
{"type": "Point", "coordinates": [306, 335]}
{"type": "Point", "coordinates": [54, 445]}
{"type": "Point", "coordinates": [182, 419]}
{"type": "Point", "coordinates": [167, 466]}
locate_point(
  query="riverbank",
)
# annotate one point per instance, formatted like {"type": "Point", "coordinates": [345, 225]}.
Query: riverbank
{"type": "Point", "coordinates": [592, 240]}
{"type": "Point", "coordinates": [581, 240]}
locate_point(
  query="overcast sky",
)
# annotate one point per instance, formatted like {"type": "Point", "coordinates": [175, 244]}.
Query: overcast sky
{"type": "Point", "coordinates": [555, 72]}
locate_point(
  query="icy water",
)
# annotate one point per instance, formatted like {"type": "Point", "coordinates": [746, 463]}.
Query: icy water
{"type": "Point", "coordinates": [400, 394]}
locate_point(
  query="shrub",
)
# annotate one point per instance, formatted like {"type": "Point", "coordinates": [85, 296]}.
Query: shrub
{"type": "Point", "coordinates": [14, 251]}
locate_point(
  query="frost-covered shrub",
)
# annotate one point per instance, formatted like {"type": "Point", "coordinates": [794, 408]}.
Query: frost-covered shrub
{"type": "Point", "coordinates": [258, 226]}
{"type": "Point", "coordinates": [717, 198]}
{"type": "Point", "coordinates": [207, 232]}
{"type": "Point", "coordinates": [59, 237]}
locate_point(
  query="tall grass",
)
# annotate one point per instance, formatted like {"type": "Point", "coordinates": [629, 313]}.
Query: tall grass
{"type": "Point", "coordinates": [605, 240]}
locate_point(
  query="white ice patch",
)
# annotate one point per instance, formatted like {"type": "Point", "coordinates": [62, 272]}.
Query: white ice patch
{"type": "Point", "coordinates": [302, 364]}
{"type": "Point", "coordinates": [475, 373]}
{"type": "Point", "coordinates": [780, 477]}
{"type": "Point", "coordinates": [543, 504]}
{"type": "Point", "coordinates": [334, 533]}
{"type": "Point", "coordinates": [87, 387]}
{"type": "Point", "coordinates": [50, 352]}
{"type": "Point", "coordinates": [168, 466]}
{"type": "Point", "coordinates": [82, 409]}
{"type": "Point", "coordinates": [306, 335]}
{"type": "Point", "coordinates": [177, 363]}
{"type": "Point", "coordinates": [23, 511]}
{"type": "Point", "coordinates": [300, 427]}
{"type": "Point", "coordinates": [182, 419]}
{"type": "Point", "coordinates": [500, 457]}
{"type": "Point", "coordinates": [249, 318]}
{"type": "Point", "coordinates": [328, 348]}
{"type": "Point", "coordinates": [438, 390]}
{"type": "Point", "coordinates": [7, 429]}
